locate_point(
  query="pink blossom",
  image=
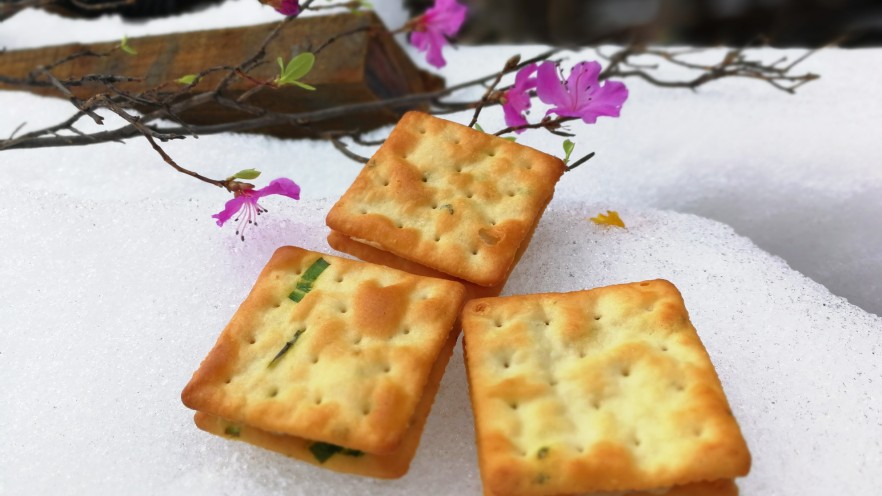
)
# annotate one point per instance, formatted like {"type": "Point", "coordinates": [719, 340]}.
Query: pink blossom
{"type": "Point", "coordinates": [432, 30]}
{"type": "Point", "coordinates": [581, 95]}
{"type": "Point", "coordinates": [289, 8]}
{"type": "Point", "coordinates": [516, 100]}
{"type": "Point", "coordinates": [245, 205]}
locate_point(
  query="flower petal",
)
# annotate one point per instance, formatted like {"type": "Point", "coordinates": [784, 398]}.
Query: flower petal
{"type": "Point", "coordinates": [444, 19]}
{"type": "Point", "coordinates": [514, 117]}
{"type": "Point", "coordinates": [419, 40]}
{"type": "Point", "coordinates": [287, 7]}
{"type": "Point", "coordinates": [435, 43]}
{"type": "Point", "coordinates": [231, 208]}
{"type": "Point", "coordinates": [517, 98]}
{"type": "Point", "coordinates": [447, 17]}
{"type": "Point", "coordinates": [281, 186]}
{"type": "Point", "coordinates": [582, 83]}
{"type": "Point", "coordinates": [549, 88]}
{"type": "Point", "coordinates": [523, 79]}
{"type": "Point", "coordinates": [606, 101]}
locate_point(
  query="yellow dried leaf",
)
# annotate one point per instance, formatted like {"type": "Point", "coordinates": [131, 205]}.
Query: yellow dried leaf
{"type": "Point", "coordinates": [611, 218]}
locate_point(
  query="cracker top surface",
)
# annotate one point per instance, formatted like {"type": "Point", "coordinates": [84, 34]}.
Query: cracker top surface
{"type": "Point", "coordinates": [346, 364]}
{"type": "Point", "coordinates": [602, 390]}
{"type": "Point", "coordinates": [449, 197]}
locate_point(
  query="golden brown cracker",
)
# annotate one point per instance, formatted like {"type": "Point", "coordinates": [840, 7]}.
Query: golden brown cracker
{"type": "Point", "coordinates": [345, 365]}
{"type": "Point", "coordinates": [336, 458]}
{"type": "Point", "coordinates": [449, 197]}
{"type": "Point", "coordinates": [608, 389]}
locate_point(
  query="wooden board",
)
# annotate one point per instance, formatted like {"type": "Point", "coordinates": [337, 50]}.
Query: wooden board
{"type": "Point", "coordinates": [362, 67]}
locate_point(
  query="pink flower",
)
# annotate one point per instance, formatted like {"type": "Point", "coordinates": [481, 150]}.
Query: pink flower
{"type": "Point", "coordinates": [289, 8]}
{"type": "Point", "coordinates": [432, 30]}
{"type": "Point", "coordinates": [245, 205]}
{"type": "Point", "coordinates": [581, 95]}
{"type": "Point", "coordinates": [516, 100]}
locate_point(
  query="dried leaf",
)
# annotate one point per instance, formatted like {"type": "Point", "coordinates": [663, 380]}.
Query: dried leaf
{"type": "Point", "coordinates": [611, 218]}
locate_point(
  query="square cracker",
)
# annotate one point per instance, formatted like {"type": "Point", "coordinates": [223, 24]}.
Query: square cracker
{"type": "Point", "coordinates": [448, 197]}
{"type": "Point", "coordinates": [358, 351]}
{"type": "Point", "coordinates": [389, 466]}
{"type": "Point", "coordinates": [608, 389]}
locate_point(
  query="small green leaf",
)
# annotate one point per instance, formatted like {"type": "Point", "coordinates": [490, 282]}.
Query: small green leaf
{"type": "Point", "coordinates": [188, 79]}
{"type": "Point", "coordinates": [568, 147]}
{"type": "Point", "coordinates": [247, 174]}
{"type": "Point", "coordinates": [124, 46]}
{"type": "Point", "coordinates": [478, 127]}
{"type": "Point", "coordinates": [304, 85]}
{"type": "Point", "coordinates": [297, 68]}
{"type": "Point", "coordinates": [510, 138]}
{"type": "Point", "coordinates": [281, 66]}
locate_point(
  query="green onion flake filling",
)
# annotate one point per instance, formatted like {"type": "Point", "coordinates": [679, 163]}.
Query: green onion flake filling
{"type": "Point", "coordinates": [287, 347]}
{"type": "Point", "coordinates": [322, 451]}
{"type": "Point", "coordinates": [304, 284]}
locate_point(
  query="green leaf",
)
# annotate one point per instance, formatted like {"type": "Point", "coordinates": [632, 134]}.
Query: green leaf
{"type": "Point", "coordinates": [187, 79]}
{"type": "Point", "coordinates": [304, 85]}
{"type": "Point", "coordinates": [247, 174]}
{"type": "Point", "coordinates": [281, 66]}
{"type": "Point", "coordinates": [124, 46]}
{"type": "Point", "coordinates": [568, 147]}
{"type": "Point", "coordinates": [296, 69]}
{"type": "Point", "coordinates": [478, 127]}
{"type": "Point", "coordinates": [510, 138]}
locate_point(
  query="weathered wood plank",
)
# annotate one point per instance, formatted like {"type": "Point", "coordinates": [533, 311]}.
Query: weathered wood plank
{"type": "Point", "coordinates": [361, 67]}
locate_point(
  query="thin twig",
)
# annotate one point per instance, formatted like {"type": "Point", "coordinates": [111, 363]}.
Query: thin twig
{"type": "Point", "coordinates": [510, 65]}
{"type": "Point", "coordinates": [579, 162]}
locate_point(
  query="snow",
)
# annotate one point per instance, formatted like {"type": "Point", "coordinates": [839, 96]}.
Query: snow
{"type": "Point", "coordinates": [117, 281]}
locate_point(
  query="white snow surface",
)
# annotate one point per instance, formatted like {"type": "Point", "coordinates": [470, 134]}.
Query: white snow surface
{"type": "Point", "coordinates": [103, 325]}
{"type": "Point", "coordinates": [117, 282]}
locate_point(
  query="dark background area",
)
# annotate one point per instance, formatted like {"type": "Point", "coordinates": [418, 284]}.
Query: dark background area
{"type": "Point", "coordinates": [678, 22]}
{"type": "Point", "coordinates": [805, 23]}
